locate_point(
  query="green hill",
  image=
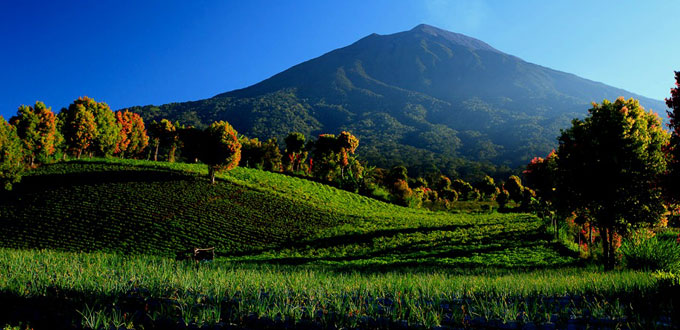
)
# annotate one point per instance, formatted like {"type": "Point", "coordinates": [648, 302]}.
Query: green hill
{"type": "Point", "coordinates": [142, 207]}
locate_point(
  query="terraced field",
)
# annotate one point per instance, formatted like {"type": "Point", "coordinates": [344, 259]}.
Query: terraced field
{"type": "Point", "coordinates": [139, 207]}
{"type": "Point", "coordinates": [136, 209]}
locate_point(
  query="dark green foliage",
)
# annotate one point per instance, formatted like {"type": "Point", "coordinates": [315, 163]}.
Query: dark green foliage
{"type": "Point", "coordinates": [11, 155]}
{"type": "Point", "coordinates": [672, 177]}
{"type": "Point", "coordinates": [487, 187]}
{"type": "Point", "coordinates": [192, 140]}
{"type": "Point", "coordinates": [541, 176]}
{"type": "Point", "coordinates": [295, 153]}
{"type": "Point", "coordinates": [651, 253]}
{"type": "Point", "coordinates": [515, 188]}
{"type": "Point", "coordinates": [164, 134]}
{"type": "Point", "coordinates": [261, 155]}
{"type": "Point", "coordinates": [397, 173]}
{"type": "Point", "coordinates": [463, 188]}
{"type": "Point", "coordinates": [503, 198]}
{"type": "Point", "coordinates": [608, 165]}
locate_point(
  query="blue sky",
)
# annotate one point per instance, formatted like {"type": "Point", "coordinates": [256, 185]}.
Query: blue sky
{"type": "Point", "coordinates": [153, 52]}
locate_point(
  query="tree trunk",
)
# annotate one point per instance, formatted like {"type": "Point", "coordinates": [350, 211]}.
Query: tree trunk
{"type": "Point", "coordinates": [80, 152]}
{"type": "Point", "coordinates": [155, 153]}
{"type": "Point", "coordinates": [612, 248]}
{"type": "Point", "coordinates": [211, 173]}
{"type": "Point", "coordinates": [171, 154]}
{"type": "Point", "coordinates": [604, 234]}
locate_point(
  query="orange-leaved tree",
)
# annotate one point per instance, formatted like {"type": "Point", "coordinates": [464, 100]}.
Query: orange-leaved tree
{"type": "Point", "coordinates": [132, 137]}
{"type": "Point", "coordinates": [221, 148]}
{"type": "Point", "coordinates": [37, 128]}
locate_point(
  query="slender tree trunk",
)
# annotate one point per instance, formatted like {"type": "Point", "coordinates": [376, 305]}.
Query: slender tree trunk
{"type": "Point", "coordinates": [80, 152]}
{"type": "Point", "coordinates": [171, 154]}
{"type": "Point", "coordinates": [612, 248]}
{"type": "Point", "coordinates": [604, 234]}
{"type": "Point", "coordinates": [211, 173]}
{"type": "Point", "coordinates": [155, 153]}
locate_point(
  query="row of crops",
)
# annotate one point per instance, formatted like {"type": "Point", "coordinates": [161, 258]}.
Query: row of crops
{"type": "Point", "coordinates": [250, 215]}
{"type": "Point", "coordinates": [93, 290]}
{"type": "Point", "coordinates": [137, 209]}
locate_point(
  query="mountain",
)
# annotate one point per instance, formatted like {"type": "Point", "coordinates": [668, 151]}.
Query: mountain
{"type": "Point", "coordinates": [426, 98]}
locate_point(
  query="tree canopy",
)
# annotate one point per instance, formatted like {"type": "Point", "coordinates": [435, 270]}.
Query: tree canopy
{"type": "Point", "coordinates": [11, 153]}
{"type": "Point", "coordinates": [37, 129]}
{"type": "Point", "coordinates": [222, 150]}
{"type": "Point", "coordinates": [608, 165]}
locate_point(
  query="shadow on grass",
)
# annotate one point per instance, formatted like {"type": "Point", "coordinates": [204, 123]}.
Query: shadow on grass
{"type": "Point", "coordinates": [440, 254]}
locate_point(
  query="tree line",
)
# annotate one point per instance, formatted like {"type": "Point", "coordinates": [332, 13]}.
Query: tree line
{"type": "Point", "coordinates": [36, 135]}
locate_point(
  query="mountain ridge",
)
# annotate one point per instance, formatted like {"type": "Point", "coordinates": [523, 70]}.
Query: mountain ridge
{"type": "Point", "coordinates": [427, 98]}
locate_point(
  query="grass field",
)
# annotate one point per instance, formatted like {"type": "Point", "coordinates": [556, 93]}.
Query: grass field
{"type": "Point", "coordinates": [142, 207]}
{"type": "Point", "coordinates": [154, 292]}
{"type": "Point", "coordinates": [89, 244]}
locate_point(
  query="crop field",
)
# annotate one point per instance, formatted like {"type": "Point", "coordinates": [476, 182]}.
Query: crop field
{"type": "Point", "coordinates": [139, 207]}
{"type": "Point", "coordinates": [89, 245]}
{"type": "Point", "coordinates": [93, 290]}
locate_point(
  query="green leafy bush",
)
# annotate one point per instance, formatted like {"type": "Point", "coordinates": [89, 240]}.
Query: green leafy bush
{"type": "Point", "coordinates": [653, 253]}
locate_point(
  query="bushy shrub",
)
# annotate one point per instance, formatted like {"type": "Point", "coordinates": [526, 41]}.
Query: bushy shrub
{"type": "Point", "coordinates": [651, 253]}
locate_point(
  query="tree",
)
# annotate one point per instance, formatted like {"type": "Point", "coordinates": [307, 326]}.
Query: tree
{"type": "Point", "coordinates": [515, 188]}
{"type": "Point", "coordinates": [11, 154]}
{"type": "Point", "coordinates": [108, 128]}
{"type": "Point", "coordinates": [272, 156]}
{"type": "Point", "coordinates": [487, 187]}
{"type": "Point", "coordinates": [502, 198]}
{"type": "Point", "coordinates": [346, 145]}
{"type": "Point", "coordinates": [463, 188]}
{"type": "Point", "coordinates": [608, 165]}
{"type": "Point", "coordinates": [295, 150]}
{"type": "Point", "coordinates": [132, 139]}
{"type": "Point", "coordinates": [262, 155]}
{"type": "Point", "coordinates": [164, 132]}
{"type": "Point", "coordinates": [37, 129]}
{"type": "Point", "coordinates": [192, 140]}
{"type": "Point", "coordinates": [672, 176]}
{"type": "Point", "coordinates": [222, 150]}
{"type": "Point", "coordinates": [541, 175]}
{"type": "Point", "coordinates": [325, 155]}
{"type": "Point", "coordinates": [78, 127]}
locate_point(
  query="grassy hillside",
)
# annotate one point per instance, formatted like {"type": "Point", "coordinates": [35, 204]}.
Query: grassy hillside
{"type": "Point", "coordinates": [294, 253]}
{"type": "Point", "coordinates": [251, 215]}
